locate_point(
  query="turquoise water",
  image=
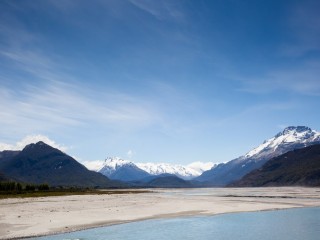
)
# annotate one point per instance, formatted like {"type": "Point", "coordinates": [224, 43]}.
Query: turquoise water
{"type": "Point", "coordinates": [292, 224]}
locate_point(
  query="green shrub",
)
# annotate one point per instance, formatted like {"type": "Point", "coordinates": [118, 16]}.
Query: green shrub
{"type": "Point", "coordinates": [7, 186]}
{"type": "Point", "coordinates": [30, 187]}
{"type": "Point", "coordinates": [43, 187]}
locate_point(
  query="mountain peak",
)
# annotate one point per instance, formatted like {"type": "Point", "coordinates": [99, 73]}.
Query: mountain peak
{"type": "Point", "coordinates": [111, 164]}
{"type": "Point", "coordinates": [116, 162]}
{"type": "Point", "coordinates": [39, 144]}
{"type": "Point", "coordinates": [294, 129]}
{"type": "Point", "coordinates": [292, 135]}
{"type": "Point", "coordinates": [120, 169]}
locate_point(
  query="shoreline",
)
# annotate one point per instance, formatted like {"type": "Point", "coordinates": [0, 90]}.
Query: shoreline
{"type": "Point", "coordinates": [153, 218]}
{"type": "Point", "coordinates": [55, 215]}
{"type": "Point", "coordinates": [158, 217]}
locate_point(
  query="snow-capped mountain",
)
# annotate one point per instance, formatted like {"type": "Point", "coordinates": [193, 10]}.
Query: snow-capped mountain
{"type": "Point", "coordinates": [113, 166]}
{"type": "Point", "coordinates": [289, 139]}
{"type": "Point", "coordinates": [162, 168]}
{"type": "Point", "coordinates": [124, 170]}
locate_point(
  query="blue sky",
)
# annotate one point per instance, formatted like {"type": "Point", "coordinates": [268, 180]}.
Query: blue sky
{"type": "Point", "coordinates": [158, 81]}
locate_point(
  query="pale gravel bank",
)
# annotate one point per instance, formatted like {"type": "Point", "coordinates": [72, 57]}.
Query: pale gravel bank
{"type": "Point", "coordinates": [43, 216]}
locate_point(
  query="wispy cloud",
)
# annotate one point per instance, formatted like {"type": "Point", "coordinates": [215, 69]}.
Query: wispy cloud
{"type": "Point", "coordinates": [94, 165]}
{"type": "Point", "coordinates": [57, 105]}
{"type": "Point", "coordinates": [49, 97]}
{"type": "Point", "coordinates": [54, 101]}
{"type": "Point", "coordinates": [201, 166]}
{"type": "Point", "coordinates": [34, 63]}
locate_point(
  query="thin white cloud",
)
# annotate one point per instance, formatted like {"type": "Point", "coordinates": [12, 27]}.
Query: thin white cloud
{"type": "Point", "coordinates": [49, 98]}
{"type": "Point", "coordinates": [37, 64]}
{"type": "Point", "coordinates": [31, 139]}
{"type": "Point", "coordinates": [201, 166]}
{"type": "Point", "coordinates": [52, 99]}
{"type": "Point", "coordinates": [58, 105]}
{"type": "Point", "coordinates": [93, 165]}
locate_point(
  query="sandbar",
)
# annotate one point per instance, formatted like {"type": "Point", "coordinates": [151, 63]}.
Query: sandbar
{"type": "Point", "coordinates": [27, 217]}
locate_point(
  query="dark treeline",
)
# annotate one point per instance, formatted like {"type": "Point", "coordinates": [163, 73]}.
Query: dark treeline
{"type": "Point", "coordinates": [18, 187]}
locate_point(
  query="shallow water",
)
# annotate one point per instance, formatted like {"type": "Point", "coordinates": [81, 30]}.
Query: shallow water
{"type": "Point", "coordinates": [292, 224]}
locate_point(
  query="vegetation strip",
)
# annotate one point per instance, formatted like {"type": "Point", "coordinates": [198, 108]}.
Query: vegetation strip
{"type": "Point", "coordinates": [18, 190]}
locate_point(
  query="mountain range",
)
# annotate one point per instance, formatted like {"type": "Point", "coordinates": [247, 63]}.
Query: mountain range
{"type": "Point", "coordinates": [290, 157]}
{"type": "Point", "coordinates": [289, 139]}
{"type": "Point", "coordinates": [215, 175]}
{"type": "Point", "coordinates": [125, 170]}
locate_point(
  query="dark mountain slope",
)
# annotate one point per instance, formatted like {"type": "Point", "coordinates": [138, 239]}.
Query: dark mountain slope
{"type": "Point", "coordinates": [41, 163]}
{"type": "Point", "coordinates": [6, 156]}
{"type": "Point", "coordinates": [152, 177]}
{"type": "Point", "coordinates": [129, 173]}
{"type": "Point", "coordinates": [225, 173]}
{"type": "Point", "coordinates": [300, 167]}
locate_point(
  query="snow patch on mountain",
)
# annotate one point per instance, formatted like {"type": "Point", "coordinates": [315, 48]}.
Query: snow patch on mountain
{"type": "Point", "coordinates": [161, 168]}
{"type": "Point", "coordinates": [200, 167]}
{"type": "Point", "coordinates": [112, 164]}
